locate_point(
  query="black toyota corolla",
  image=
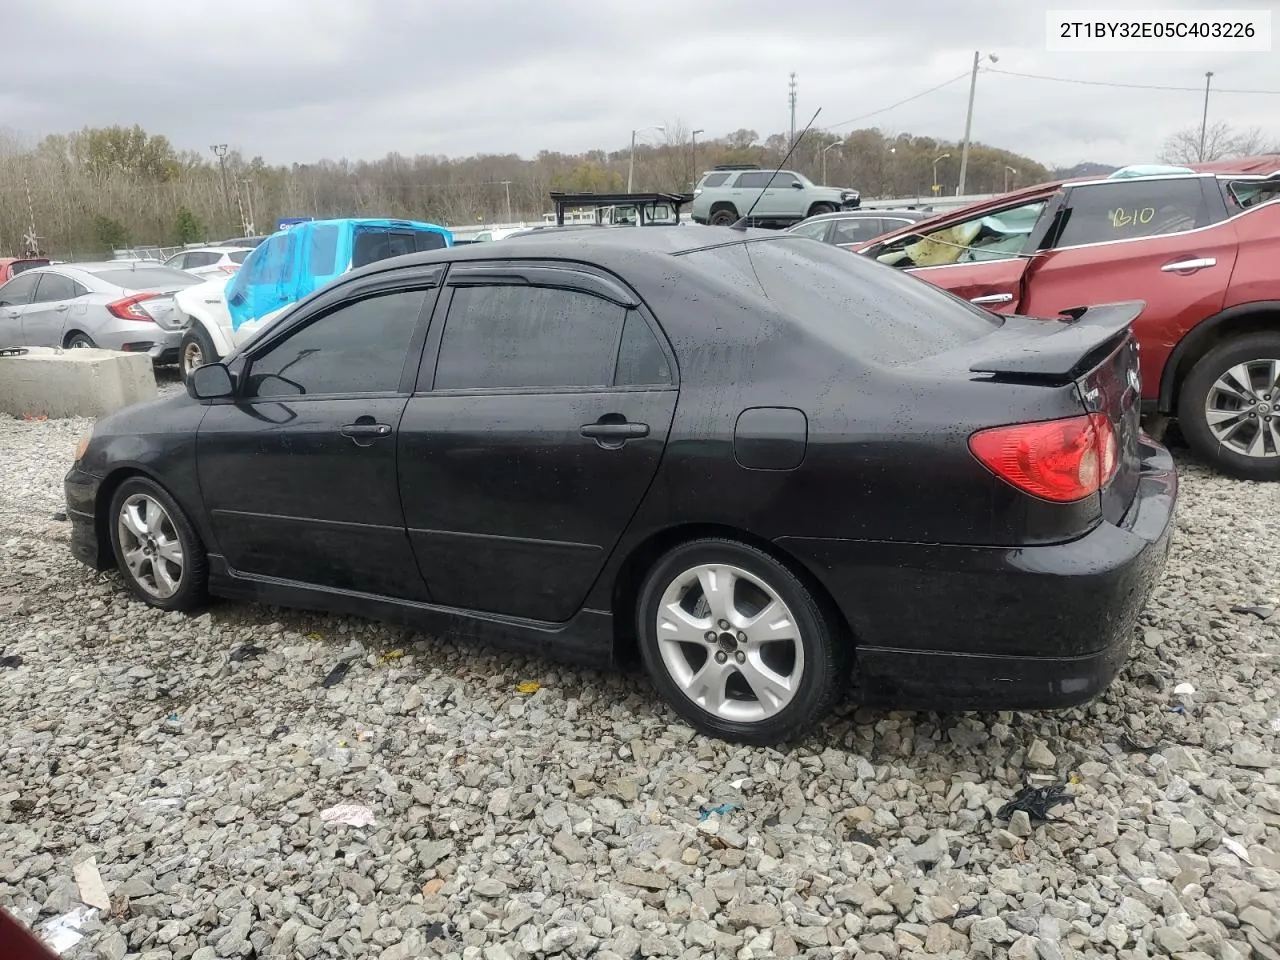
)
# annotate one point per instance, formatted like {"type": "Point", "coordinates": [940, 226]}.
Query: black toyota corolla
{"type": "Point", "coordinates": [769, 466]}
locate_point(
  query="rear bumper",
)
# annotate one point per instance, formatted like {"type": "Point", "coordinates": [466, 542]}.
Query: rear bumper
{"type": "Point", "coordinates": [155, 341]}
{"type": "Point", "coordinates": [81, 492]}
{"type": "Point", "coordinates": [978, 628]}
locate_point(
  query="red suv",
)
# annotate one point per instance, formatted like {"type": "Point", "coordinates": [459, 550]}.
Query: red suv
{"type": "Point", "coordinates": [1200, 248]}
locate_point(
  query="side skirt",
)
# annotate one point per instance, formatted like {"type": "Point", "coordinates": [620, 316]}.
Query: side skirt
{"type": "Point", "coordinates": [585, 640]}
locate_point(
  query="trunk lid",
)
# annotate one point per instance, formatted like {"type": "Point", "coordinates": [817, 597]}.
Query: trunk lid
{"type": "Point", "coordinates": [1093, 348]}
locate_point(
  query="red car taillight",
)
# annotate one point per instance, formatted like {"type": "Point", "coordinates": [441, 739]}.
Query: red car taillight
{"type": "Point", "coordinates": [1059, 460]}
{"type": "Point", "coordinates": [228, 267]}
{"type": "Point", "coordinates": [128, 309]}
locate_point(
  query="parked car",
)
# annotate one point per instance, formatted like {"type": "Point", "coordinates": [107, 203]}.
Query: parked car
{"type": "Point", "coordinates": [1199, 248]}
{"type": "Point", "coordinates": [725, 194]}
{"type": "Point", "coordinates": [749, 454]}
{"type": "Point", "coordinates": [10, 267]}
{"type": "Point", "coordinates": [850, 228]}
{"type": "Point", "coordinates": [240, 242]}
{"type": "Point", "coordinates": [210, 261]}
{"type": "Point", "coordinates": [112, 305]}
{"type": "Point", "coordinates": [221, 314]}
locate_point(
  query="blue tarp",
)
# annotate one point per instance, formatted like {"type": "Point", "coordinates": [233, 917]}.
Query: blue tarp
{"type": "Point", "coordinates": [297, 261]}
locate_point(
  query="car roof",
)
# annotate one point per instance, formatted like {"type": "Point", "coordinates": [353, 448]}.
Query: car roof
{"type": "Point", "coordinates": [864, 213]}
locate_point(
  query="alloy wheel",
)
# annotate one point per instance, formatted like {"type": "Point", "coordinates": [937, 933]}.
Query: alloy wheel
{"type": "Point", "coordinates": [730, 643]}
{"type": "Point", "coordinates": [150, 546]}
{"type": "Point", "coordinates": [1242, 409]}
{"type": "Point", "coordinates": [192, 357]}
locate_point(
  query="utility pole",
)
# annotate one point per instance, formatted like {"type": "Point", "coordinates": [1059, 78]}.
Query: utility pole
{"type": "Point", "coordinates": [507, 184]}
{"type": "Point", "coordinates": [968, 126]}
{"type": "Point", "coordinates": [792, 98]}
{"type": "Point", "coordinates": [1204, 120]}
{"type": "Point", "coordinates": [32, 241]}
{"type": "Point", "coordinates": [220, 151]}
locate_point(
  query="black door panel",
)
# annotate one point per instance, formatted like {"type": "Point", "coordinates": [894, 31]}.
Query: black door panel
{"type": "Point", "coordinates": [510, 509]}
{"type": "Point", "coordinates": [307, 502]}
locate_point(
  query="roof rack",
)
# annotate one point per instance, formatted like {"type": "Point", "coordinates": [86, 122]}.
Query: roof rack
{"type": "Point", "coordinates": [568, 201]}
{"type": "Point", "coordinates": [737, 166]}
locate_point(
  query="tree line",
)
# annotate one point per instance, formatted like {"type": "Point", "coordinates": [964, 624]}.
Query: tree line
{"type": "Point", "coordinates": [85, 193]}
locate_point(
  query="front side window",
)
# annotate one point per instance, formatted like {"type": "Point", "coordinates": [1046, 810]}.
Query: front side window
{"type": "Point", "coordinates": [999, 235]}
{"type": "Point", "coordinates": [359, 348]}
{"type": "Point", "coordinates": [1131, 209]}
{"type": "Point", "coordinates": [784, 180]}
{"type": "Point", "coordinates": [515, 336]}
{"type": "Point", "coordinates": [19, 291]}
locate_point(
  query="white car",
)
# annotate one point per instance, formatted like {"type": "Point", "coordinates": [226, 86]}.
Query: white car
{"type": "Point", "coordinates": [210, 261]}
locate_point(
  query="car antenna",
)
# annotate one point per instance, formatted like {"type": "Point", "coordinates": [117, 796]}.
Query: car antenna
{"type": "Point", "coordinates": [744, 220]}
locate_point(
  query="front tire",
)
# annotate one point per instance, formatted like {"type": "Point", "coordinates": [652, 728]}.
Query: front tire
{"type": "Point", "coordinates": [1229, 407]}
{"type": "Point", "coordinates": [821, 208]}
{"type": "Point", "coordinates": [157, 549]}
{"type": "Point", "coordinates": [737, 644]}
{"type": "Point", "coordinates": [195, 351]}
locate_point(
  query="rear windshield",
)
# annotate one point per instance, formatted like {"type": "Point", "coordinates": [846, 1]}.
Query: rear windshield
{"type": "Point", "coordinates": [18, 266]}
{"type": "Point", "coordinates": [871, 311]}
{"type": "Point", "coordinates": [148, 278]}
{"type": "Point", "coordinates": [237, 256]}
{"type": "Point", "coordinates": [373, 245]}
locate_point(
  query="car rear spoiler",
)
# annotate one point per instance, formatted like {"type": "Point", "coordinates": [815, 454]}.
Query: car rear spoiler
{"type": "Point", "coordinates": [1041, 350]}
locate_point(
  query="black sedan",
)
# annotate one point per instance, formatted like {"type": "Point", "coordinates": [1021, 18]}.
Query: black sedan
{"type": "Point", "coordinates": [768, 466]}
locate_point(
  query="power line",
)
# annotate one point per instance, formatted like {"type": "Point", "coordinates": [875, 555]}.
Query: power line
{"type": "Point", "coordinates": [1131, 86]}
{"type": "Point", "coordinates": [893, 106]}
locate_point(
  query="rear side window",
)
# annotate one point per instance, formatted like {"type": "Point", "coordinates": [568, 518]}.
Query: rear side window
{"type": "Point", "coordinates": [148, 278]}
{"type": "Point", "coordinates": [237, 256]}
{"type": "Point", "coordinates": [858, 306]}
{"type": "Point", "coordinates": [715, 180]}
{"type": "Point", "coordinates": [517, 336]}
{"type": "Point", "coordinates": [54, 286]}
{"type": "Point", "coordinates": [857, 229]}
{"type": "Point", "coordinates": [1123, 210]}
{"type": "Point", "coordinates": [641, 361]}
{"type": "Point", "coordinates": [755, 180]}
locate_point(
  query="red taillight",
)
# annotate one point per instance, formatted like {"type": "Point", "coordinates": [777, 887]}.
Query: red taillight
{"type": "Point", "coordinates": [1059, 460]}
{"type": "Point", "coordinates": [228, 267]}
{"type": "Point", "coordinates": [128, 309]}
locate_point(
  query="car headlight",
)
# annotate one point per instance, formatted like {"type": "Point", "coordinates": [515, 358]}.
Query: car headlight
{"type": "Point", "coordinates": [83, 445]}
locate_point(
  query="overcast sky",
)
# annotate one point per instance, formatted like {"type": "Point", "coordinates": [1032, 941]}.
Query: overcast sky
{"type": "Point", "coordinates": [298, 80]}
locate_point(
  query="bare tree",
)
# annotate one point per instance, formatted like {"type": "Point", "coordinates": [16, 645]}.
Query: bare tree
{"type": "Point", "coordinates": [1221, 142]}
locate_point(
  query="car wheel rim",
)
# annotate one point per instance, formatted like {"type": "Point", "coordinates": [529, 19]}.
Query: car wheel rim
{"type": "Point", "coordinates": [730, 643]}
{"type": "Point", "coordinates": [192, 357]}
{"type": "Point", "coordinates": [150, 546]}
{"type": "Point", "coordinates": [1243, 408]}
{"type": "Point", "coordinates": [78, 344]}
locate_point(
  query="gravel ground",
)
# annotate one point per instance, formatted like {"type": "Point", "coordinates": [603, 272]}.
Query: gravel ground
{"type": "Point", "coordinates": [523, 810]}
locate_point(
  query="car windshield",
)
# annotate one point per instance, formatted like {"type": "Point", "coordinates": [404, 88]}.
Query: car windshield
{"type": "Point", "coordinates": [148, 278]}
{"type": "Point", "coordinates": [857, 305]}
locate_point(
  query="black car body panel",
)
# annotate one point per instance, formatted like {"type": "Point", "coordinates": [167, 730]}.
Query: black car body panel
{"type": "Point", "coordinates": [512, 516]}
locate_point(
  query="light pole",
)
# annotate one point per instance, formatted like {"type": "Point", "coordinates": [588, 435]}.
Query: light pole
{"type": "Point", "coordinates": [968, 120]}
{"type": "Point", "coordinates": [1008, 170]}
{"type": "Point", "coordinates": [830, 146]}
{"type": "Point", "coordinates": [220, 151]}
{"type": "Point", "coordinates": [1204, 120]}
{"type": "Point", "coordinates": [936, 160]}
{"type": "Point", "coordinates": [693, 153]}
{"type": "Point", "coordinates": [248, 192]}
{"type": "Point", "coordinates": [631, 164]}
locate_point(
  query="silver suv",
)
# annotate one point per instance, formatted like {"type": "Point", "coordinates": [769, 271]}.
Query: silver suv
{"type": "Point", "coordinates": [725, 194]}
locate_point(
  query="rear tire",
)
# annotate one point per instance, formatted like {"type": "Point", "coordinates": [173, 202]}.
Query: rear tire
{"type": "Point", "coordinates": [1223, 418]}
{"type": "Point", "coordinates": [758, 680]}
{"type": "Point", "coordinates": [725, 216]}
{"type": "Point", "coordinates": [195, 351]}
{"type": "Point", "coordinates": [80, 341]}
{"type": "Point", "coordinates": [158, 551]}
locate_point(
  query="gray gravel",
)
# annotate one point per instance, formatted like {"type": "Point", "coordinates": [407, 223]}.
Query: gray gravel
{"type": "Point", "coordinates": [566, 821]}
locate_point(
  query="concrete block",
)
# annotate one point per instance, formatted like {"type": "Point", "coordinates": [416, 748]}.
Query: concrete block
{"type": "Point", "coordinates": [52, 382]}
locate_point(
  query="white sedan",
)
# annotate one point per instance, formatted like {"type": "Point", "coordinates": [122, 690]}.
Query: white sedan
{"type": "Point", "coordinates": [209, 261]}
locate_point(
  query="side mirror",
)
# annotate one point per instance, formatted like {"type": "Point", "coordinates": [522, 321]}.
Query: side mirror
{"type": "Point", "coordinates": [210, 382]}
{"type": "Point", "coordinates": [797, 184]}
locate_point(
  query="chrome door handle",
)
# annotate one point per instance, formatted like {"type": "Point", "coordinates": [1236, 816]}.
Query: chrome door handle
{"type": "Point", "coordinates": [993, 298]}
{"type": "Point", "coordinates": [1198, 264]}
